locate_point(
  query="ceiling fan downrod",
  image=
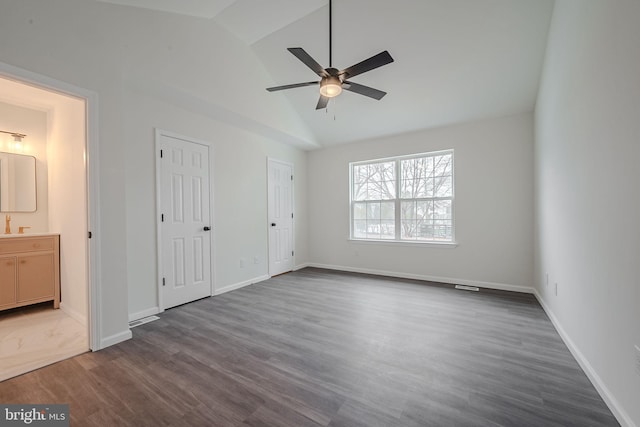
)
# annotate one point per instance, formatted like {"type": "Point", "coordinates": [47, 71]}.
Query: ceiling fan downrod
{"type": "Point", "coordinates": [330, 35]}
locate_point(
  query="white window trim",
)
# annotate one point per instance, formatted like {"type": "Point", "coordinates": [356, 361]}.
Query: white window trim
{"type": "Point", "coordinates": [422, 244]}
{"type": "Point", "coordinates": [399, 242]}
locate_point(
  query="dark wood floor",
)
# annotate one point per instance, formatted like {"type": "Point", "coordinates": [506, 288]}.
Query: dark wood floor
{"type": "Point", "coordinates": [322, 348]}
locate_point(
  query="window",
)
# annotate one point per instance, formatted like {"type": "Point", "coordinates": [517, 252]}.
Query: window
{"type": "Point", "coordinates": [404, 199]}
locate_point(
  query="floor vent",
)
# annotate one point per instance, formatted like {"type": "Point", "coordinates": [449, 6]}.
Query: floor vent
{"type": "Point", "coordinates": [142, 321]}
{"type": "Point", "coordinates": [467, 288]}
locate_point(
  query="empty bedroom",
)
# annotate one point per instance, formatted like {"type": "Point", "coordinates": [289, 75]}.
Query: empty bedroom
{"type": "Point", "coordinates": [320, 212]}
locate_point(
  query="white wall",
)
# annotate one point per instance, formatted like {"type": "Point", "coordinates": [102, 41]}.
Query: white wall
{"type": "Point", "coordinates": [66, 144]}
{"type": "Point", "coordinates": [239, 195]}
{"type": "Point", "coordinates": [185, 61]}
{"type": "Point", "coordinates": [493, 207]}
{"type": "Point", "coordinates": [587, 199]}
{"type": "Point", "coordinates": [33, 123]}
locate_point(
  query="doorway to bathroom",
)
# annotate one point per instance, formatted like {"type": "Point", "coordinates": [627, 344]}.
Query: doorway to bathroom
{"type": "Point", "coordinates": [53, 125]}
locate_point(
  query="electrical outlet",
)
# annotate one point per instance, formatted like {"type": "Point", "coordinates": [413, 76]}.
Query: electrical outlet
{"type": "Point", "coordinates": [242, 262]}
{"type": "Point", "coordinates": [637, 352]}
{"type": "Point", "coordinates": [556, 290]}
{"type": "Point", "coordinates": [256, 260]}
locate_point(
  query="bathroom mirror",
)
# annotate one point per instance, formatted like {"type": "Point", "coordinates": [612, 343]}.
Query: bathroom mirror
{"type": "Point", "coordinates": [17, 183]}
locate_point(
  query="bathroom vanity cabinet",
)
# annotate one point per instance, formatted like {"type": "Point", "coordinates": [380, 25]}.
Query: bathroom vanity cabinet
{"type": "Point", "coordinates": [29, 270]}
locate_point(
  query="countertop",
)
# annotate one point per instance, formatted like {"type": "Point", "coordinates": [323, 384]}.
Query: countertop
{"type": "Point", "coordinates": [27, 235]}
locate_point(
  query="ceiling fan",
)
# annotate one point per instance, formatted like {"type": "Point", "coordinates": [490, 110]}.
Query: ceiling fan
{"type": "Point", "coordinates": [333, 81]}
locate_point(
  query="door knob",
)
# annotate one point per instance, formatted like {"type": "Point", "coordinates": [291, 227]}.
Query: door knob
{"type": "Point", "coordinates": [207, 228]}
{"type": "Point", "coordinates": [273, 224]}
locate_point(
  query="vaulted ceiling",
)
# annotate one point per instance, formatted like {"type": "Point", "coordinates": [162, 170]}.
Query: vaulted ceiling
{"type": "Point", "coordinates": [455, 60]}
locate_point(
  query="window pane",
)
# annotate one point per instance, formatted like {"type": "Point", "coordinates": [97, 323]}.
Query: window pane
{"type": "Point", "coordinates": [388, 210]}
{"type": "Point", "coordinates": [406, 188]}
{"type": "Point", "coordinates": [360, 192]}
{"type": "Point", "coordinates": [359, 211]}
{"type": "Point", "coordinates": [442, 165]}
{"type": "Point", "coordinates": [423, 209]}
{"type": "Point", "coordinates": [443, 186]}
{"type": "Point", "coordinates": [408, 210]}
{"type": "Point", "coordinates": [360, 174]}
{"type": "Point", "coordinates": [408, 230]}
{"type": "Point", "coordinates": [428, 188]}
{"type": "Point", "coordinates": [360, 229]}
{"type": "Point", "coordinates": [384, 177]}
{"type": "Point", "coordinates": [388, 229]}
{"type": "Point", "coordinates": [359, 182]}
{"type": "Point", "coordinates": [375, 181]}
{"type": "Point", "coordinates": [407, 172]}
{"type": "Point", "coordinates": [442, 232]}
{"type": "Point", "coordinates": [375, 172]}
{"type": "Point", "coordinates": [373, 229]}
{"type": "Point", "coordinates": [414, 173]}
{"type": "Point", "coordinates": [373, 210]}
{"type": "Point", "coordinates": [442, 209]}
{"type": "Point", "coordinates": [388, 190]}
{"type": "Point", "coordinates": [373, 191]}
{"type": "Point", "coordinates": [389, 171]}
{"type": "Point", "coordinates": [425, 230]}
{"type": "Point", "coordinates": [421, 188]}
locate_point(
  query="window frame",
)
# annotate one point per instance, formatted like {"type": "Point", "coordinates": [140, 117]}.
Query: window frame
{"type": "Point", "coordinates": [397, 240]}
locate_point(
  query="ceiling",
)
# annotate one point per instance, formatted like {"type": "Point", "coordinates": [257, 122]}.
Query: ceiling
{"type": "Point", "coordinates": [455, 60]}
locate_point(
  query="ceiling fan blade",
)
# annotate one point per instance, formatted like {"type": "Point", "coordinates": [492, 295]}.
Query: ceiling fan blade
{"type": "Point", "coordinates": [383, 58]}
{"type": "Point", "coordinates": [273, 89]}
{"type": "Point", "coordinates": [303, 56]}
{"type": "Point", "coordinates": [322, 102]}
{"type": "Point", "coordinates": [363, 90]}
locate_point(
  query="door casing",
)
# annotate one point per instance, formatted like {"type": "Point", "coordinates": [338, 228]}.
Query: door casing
{"type": "Point", "coordinates": [92, 172]}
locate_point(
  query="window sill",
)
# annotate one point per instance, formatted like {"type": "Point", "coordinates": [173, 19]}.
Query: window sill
{"type": "Point", "coordinates": [443, 245]}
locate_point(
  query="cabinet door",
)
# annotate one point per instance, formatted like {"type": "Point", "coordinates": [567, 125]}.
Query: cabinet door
{"type": "Point", "coordinates": [7, 281]}
{"type": "Point", "coordinates": [35, 276]}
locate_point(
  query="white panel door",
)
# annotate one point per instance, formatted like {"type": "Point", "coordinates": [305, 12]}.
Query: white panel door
{"type": "Point", "coordinates": [185, 221]}
{"type": "Point", "coordinates": [280, 211]}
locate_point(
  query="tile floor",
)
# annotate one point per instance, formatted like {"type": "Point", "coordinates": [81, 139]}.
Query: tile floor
{"type": "Point", "coordinates": [36, 336]}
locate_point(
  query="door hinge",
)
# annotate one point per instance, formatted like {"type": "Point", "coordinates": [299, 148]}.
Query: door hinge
{"type": "Point", "coordinates": [291, 177]}
{"type": "Point", "coordinates": [161, 217]}
{"type": "Point", "coordinates": [89, 234]}
{"type": "Point", "coordinates": [163, 282]}
{"type": "Point", "coordinates": [291, 214]}
{"type": "Point", "coordinates": [161, 154]}
{"type": "Point", "coordinates": [291, 253]}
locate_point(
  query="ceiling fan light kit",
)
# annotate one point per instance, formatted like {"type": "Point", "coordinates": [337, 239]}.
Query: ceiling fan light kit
{"type": "Point", "coordinates": [330, 86]}
{"type": "Point", "coordinates": [333, 81]}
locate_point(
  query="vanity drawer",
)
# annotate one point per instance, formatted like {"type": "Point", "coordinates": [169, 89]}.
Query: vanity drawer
{"type": "Point", "coordinates": [26, 244]}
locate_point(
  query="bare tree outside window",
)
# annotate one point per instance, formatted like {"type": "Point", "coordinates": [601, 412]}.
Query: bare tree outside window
{"type": "Point", "coordinates": [406, 198]}
{"type": "Point", "coordinates": [374, 191]}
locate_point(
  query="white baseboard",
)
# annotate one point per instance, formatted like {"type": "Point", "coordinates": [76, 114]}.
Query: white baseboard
{"type": "Point", "coordinates": [301, 266]}
{"type": "Point", "coordinates": [115, 339]}
{"type": "Point", "coordinates": [449, 280]}
{"type": "Point", "coordinates": [239, 285]}
{"type": "Point", "coordinates": [621, 415]}
{"type": "Point", "coordinates": [73, 314]}
{"type": "Point", "coordinates": [144, 313]}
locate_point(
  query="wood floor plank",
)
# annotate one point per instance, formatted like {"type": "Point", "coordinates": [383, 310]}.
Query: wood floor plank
{"type": "Point", "coordinates": [325, 348]}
